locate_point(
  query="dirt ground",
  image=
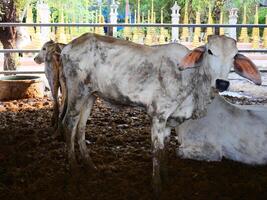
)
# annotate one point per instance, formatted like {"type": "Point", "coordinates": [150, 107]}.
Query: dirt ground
{"type": "Point", "coordinates": [33, 165]}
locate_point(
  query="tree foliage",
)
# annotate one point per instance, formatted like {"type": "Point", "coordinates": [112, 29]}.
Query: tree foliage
{"type": "Point", "coordinates": [195, 5]}
{"type": "Point", "coordinates": [69, 8]}
{"type": "Point", "coordinates": [84, 10]}
{"type": "Point", "coordinates": [81, 8]}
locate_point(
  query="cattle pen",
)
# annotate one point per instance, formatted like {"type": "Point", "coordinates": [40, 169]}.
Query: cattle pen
{"type": "Point", "coordinates": [33, 165]}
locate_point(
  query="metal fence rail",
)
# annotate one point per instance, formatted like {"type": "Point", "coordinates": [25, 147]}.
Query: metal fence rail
{"type": "Point", "coordinates": [166, 25]}
{"type": "Point", "coordinates": [21, 72]}
{"type": "Point", "coordinates": [19, 50]}
{"type": "Point", "coordinates": [136, 25]}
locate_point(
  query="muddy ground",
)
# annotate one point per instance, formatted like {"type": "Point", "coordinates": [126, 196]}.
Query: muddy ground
{"type": "Point", "coordinates": [33, 164]}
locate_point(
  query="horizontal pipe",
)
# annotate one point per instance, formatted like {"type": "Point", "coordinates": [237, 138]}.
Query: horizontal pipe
{"type": "Point", "coordinates": [253, 50]}
{"type": "Point", "coordinates": [135, 25]}
{"type": "Point", "coordinates": [19, 50]}
{"type": "Point", "coordinates": [36, 50]}
{"type": "Point", "coordinates": [21, 72]}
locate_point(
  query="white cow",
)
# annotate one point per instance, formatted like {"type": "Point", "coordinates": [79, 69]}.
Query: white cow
{"type": "Point", "coordinates": [125, 73]}
{"type": "Point", "coordinates": [50, 55]}
{"type": "Point", "coordinates": [232, 131]}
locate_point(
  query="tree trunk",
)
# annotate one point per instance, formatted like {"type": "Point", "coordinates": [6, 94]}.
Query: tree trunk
{"type": "Point", "coordinates": [9, 58]}
{"type": "Point", "coordinates": [8, 34]}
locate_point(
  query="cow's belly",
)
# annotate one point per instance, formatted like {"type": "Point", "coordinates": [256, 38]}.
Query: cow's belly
{"type": "Point", "coordinates": [118, 94]}
{"type": "Point", "coordinates": [124, 86]}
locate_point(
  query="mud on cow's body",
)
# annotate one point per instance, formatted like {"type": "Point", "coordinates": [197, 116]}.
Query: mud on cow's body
{"type": "Point", "coordinates": [125, 73]}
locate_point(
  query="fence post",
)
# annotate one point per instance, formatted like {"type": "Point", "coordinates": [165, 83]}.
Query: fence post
{"type": "Point", "coordinates": [185, 30]}
{"type": "Point", "coordinates": [244, 30]}
{"type": "Point", "coordinates": [256, 31]}
{"type": "Point", "coordinates": [114, 16]}
{"type": "Point", "coordinates": [175, 20]}
{"type": "Point", "coordinates": [233, 20]}
{"type": "Point", "coordinates": [197, 32]}
{"type": "Point", "coordinates": [265, 34]}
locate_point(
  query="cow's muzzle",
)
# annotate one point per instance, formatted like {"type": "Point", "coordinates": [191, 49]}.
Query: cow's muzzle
{"type": "Point", "coordinates": [222, 85]}
{"type": "Point", "coordinates": [37, 60]}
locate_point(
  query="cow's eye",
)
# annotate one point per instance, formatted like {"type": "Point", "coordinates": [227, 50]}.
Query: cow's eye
{"type": "Point", "coordinates": [44, 49]}
{"type": "Point", "coordinates": [210, 52]}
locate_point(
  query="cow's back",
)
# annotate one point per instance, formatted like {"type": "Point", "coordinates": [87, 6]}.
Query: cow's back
{"type": "Point", "coordinates": [122, 70]}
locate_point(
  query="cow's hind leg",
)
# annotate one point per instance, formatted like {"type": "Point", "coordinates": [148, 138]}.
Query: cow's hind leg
{"type": "Point", "coordinates": [81, 132]}
{"type": "Point", "coordinates": [158, 136]}
{"type": "Point", "coordinates": [70, 123]}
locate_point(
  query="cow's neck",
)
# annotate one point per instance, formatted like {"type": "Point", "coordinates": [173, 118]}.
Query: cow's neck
{"type": "Point", "coordinates": [202, 90]}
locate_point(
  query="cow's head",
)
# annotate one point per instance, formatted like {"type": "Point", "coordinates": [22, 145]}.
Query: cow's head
{"type": "Point", "coordinates": [218, 56]}
{"type": "Point", "coordinates": [45, 52]}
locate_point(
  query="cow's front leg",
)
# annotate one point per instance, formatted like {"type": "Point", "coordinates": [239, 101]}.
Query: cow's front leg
{"type": "Point", "coordinates": [158, 136]}
{"type": "Point", "coordinates": [55, 87]}
{"type": "Point", "coordinates": [56, 105]}
{"type": "Point", "coordinates": [85, 113]}
{"type": "Point", "coordinates": [50, 77]}
{"type": "Point", "coordinates": [55, 118]}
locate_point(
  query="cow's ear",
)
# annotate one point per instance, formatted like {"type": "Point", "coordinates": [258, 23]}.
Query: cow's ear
{"type": "Point", "coordinates": [246, 68]}
{"type": "Point", "coordinates": [192, 58]}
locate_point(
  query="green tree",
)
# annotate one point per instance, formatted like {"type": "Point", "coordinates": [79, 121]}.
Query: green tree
{"type": "Point", "coordinates": [77, 8]}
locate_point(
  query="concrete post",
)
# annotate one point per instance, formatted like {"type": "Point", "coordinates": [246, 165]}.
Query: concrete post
{"type": "Point", "coordinates": [233, 20]}
{"type": "Point", "coordinates": [175, 20]}
{"type": "Point", "coordinates": [114, 16]}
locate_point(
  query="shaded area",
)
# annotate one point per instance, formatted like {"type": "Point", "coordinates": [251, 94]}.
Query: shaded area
{"type": "Point", "coordinates": [33, 165]}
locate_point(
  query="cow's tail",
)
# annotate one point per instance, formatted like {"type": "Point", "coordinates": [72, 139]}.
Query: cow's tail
{"type": "Point", "coordinates": [64, 99]}
{"type": "Point", "coordinates": [64, 91]}
{"type": "Point", "coordinates": [64, 102]}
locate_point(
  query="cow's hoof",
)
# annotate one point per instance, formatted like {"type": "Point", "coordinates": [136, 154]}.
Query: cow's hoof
{"type": "Point", "coordinates": [73, 166]}
{"type": "Point", "coordinates": [58, 135]}
{"type": "Point", "coordinates": [157, 190]}
{"type": "Point", "coordinates": [53, 121]}
{"type": "Point", "coordinates": [157, 187]}
{"type": "Point", "coordinates": [89, 165]}
{"type": "Point", "coordinates": [55, 126]}
{"type": "Point", "coordinates": [164, 175]}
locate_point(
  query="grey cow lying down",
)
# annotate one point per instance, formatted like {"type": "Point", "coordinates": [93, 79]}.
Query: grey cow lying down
{"type": "Point", "coordinates": [232, 131]}
{"type": "Point", "coordinates": [170, 82]}
{"type": "Point", "coordinates": [50, 55]}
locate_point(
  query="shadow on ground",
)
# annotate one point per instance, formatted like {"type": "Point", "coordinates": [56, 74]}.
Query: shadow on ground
{"type": "Point", "coordinates": [33, 165]}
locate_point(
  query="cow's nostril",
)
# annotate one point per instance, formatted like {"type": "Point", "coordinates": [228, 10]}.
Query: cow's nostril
{"type": "Point", "coordinates": [222, 85]}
